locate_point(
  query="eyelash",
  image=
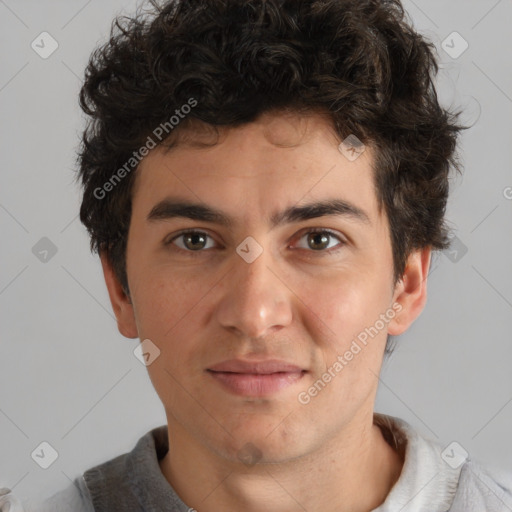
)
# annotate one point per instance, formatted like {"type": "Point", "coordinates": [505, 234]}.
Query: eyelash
{"type": "Point", "coordinates": [198, 253]}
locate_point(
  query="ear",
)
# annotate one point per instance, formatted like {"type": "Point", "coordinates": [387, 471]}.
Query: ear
{"type": "Point", "coordinates": [121, 303]}
{"type": "Point", "coordinates": [411, 291]}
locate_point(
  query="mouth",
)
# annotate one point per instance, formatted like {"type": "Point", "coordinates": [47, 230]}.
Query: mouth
{"type": "Point", "coordinates": [256, 379]}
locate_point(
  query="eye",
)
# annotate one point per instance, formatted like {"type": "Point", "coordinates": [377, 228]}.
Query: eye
{"type": "Point", "coordinates": [192, 241]}
{"type": "Point", "coordinates": [321, 240]}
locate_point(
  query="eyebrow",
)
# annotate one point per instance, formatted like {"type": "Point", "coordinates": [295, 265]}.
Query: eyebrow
{"type": "Point", "coordinates": [169, 208]}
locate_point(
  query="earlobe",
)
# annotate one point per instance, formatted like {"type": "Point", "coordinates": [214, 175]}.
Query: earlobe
{"type": "Point", "coordinates": [121, 302]}
{"type": "Point", "coordinates": [411, 291]}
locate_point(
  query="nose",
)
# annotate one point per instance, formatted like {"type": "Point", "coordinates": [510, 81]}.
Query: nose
{"type": "Point", "coordinates": [255, 301]}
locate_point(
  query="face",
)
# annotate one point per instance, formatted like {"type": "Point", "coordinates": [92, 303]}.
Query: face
{"type": "Point", "coordinates": [262, 270]}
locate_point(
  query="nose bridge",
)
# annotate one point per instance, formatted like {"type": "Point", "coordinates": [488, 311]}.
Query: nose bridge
{"type": "Point", "coordinates": [256, 278]}
{"type": "Point", "coordinates": [254, 299]}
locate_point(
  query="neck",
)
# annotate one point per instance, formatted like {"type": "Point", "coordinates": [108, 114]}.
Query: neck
{"type": "Point", "coordinates": [354, 472]}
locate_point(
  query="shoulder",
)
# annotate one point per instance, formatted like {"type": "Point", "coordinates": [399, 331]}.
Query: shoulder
{"type": "Point", "coordinates": [113, 484]}
{"type": "Point", "coordinates": [74, 498]}
{"type": "Point", "coordinates": [463, 487]}
{"type": "Point", "coordinates": [482, 489]}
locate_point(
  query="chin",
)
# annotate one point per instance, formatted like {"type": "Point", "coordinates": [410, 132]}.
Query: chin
{"type": "Point", "coordinates": [258, 442]}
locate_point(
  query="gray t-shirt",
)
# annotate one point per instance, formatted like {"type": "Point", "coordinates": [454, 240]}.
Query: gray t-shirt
{"type": "Point", "coordinates": [428, 482]}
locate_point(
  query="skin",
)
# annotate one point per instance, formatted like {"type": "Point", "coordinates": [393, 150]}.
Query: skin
{"type": "Point", "coordinates": [294, 303]}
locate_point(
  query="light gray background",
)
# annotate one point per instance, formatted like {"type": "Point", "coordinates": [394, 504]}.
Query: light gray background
{"type": "Point", "coordinates": [69, 378]}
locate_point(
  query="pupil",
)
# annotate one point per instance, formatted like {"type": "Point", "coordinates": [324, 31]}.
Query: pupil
{"type": "Point", "coordinates": [195, 241]}
{"type": "Point", "coordinates": [319, 241]}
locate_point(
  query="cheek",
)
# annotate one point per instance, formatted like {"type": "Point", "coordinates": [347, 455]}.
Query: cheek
{"type": "Point", "coordinates": [167, 313]}
{"type": "Point", "coordinates": [345, 306]}
{"type": "Point", "coordinates": [341, 320]}
{"type": "Point", "coordinates": [165, 304]}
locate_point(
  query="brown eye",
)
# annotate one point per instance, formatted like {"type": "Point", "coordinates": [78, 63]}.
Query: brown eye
{"type": "Point", "coordinates": [320, 241]}
{"type": "Point", "coordinates": [193, 241]}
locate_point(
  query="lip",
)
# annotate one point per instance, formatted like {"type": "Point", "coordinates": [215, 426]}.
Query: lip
{"type": "Point", "coordinates": [260, 367]}
{"type": "Point", "coordinates": [255, 378]}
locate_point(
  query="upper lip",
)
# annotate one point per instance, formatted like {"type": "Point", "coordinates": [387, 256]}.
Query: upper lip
{"type": "Point", "coordinates": [257, 367]}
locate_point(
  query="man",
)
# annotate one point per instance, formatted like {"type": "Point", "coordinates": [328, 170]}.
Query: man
{"type": "Point", "coordinates": [264, 182]}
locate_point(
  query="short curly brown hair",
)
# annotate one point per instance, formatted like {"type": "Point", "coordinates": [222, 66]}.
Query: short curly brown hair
{"type": "Point", "coordinates": [358, 61]}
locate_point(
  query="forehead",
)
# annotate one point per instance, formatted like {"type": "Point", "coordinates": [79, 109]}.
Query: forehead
{"type": "Point", "coordinates": [280, 159]}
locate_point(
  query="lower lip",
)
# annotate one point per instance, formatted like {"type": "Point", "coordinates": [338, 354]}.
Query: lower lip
{"type": "Point", "coordinates": [251, 384]}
